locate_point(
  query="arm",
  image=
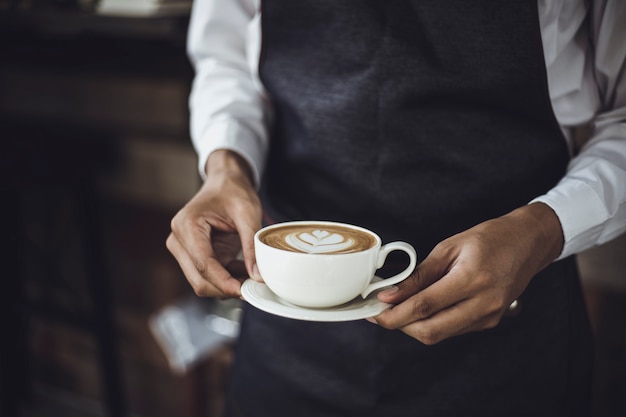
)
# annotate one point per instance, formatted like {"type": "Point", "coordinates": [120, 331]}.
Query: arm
{"type": "Point", "coordinates": [228, 107]}
{"type": "Point", "coordinates": [228, 119]}
{"type": "Point", "coordinates": [590, 200]}
{"type": "Point", "coordinates": [215, 225]}
{"type": "Point", "coordinates": [468, 281]}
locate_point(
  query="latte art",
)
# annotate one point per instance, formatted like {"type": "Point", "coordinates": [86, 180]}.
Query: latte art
{"type": "Point", "coordinates": [318, 239]}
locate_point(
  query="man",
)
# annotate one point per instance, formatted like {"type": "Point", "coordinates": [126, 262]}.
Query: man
{"type": "Point", "coordinates": [431, 122]}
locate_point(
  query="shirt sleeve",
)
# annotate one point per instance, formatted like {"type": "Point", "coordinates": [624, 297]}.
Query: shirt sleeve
{"type": "Point", "coordinates": [590, 200]}
{"type": "Point", "coordinates": [228, 107]}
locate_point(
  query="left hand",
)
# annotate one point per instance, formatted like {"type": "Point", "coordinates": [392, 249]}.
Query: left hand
{"type": "Point", "coordinates": [469, 280]}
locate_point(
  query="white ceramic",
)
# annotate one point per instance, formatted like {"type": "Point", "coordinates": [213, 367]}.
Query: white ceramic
{"type": "Point", "coordinates": [259, 295]}
{"type": "Point", "coordinates": [321, 280]}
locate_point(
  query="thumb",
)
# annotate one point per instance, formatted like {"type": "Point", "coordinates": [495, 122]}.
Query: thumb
{"type": "Point", "coordinates": [246, 234]}
{"type": "Point", "coordinates": [429, 271]}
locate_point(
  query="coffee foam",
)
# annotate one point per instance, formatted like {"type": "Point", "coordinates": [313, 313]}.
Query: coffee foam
{"type": "Point", "coordinates": [318, 239]}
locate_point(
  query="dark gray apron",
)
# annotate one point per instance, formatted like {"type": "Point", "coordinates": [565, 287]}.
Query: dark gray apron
{"type": "Point", "coordinates": [417, 119]}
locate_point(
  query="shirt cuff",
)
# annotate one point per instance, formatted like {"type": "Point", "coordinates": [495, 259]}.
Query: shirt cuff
{"type": "Point", "coordinates": [235, 136]}
{"type": "Point", "coordinates": [580, 211]}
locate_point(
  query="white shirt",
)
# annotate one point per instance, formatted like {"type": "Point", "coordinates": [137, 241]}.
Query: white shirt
{"type": "Point", "coordinates": [585, 66]}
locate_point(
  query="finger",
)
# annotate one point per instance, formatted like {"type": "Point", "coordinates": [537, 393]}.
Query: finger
{"type": "Point", "coordinates": [246, 234]}
{"type": "Point", "coordinates": [198, 244]}
{"type": "Point", "coordinates": [427, 272]}
{"type": "Point", "coordinates": [218, 284]}
{"type": "Point", "coordinates": [200, 286]}
{"type": "Point", "coordinates": [426, 303]}
{"type": "Point", "coordinates": [459, 319]}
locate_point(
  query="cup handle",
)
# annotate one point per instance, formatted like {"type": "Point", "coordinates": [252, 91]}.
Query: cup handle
{"type": "Point", "coordinates": [382, 256]}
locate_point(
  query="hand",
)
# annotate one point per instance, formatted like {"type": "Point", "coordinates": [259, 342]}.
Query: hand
{"type": "Point", "coordinates": [216, 225]}
{"type": "Point", "coordinates": [468, 281]}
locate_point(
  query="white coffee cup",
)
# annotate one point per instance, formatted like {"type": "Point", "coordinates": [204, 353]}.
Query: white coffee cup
{"type": "Point", "coordinates": [320, 264]}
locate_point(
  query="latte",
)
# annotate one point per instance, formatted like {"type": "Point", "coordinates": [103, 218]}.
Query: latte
{"type": "Point", "coordinates": [320, 264]}
{"type": "Point", "coordinates": [318, 238]}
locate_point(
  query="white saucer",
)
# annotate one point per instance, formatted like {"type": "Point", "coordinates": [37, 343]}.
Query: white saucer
{"type": "Point", "coordinates": [260, 296]}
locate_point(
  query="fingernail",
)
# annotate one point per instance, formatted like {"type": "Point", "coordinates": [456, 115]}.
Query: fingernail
{"type": "Point", "coordinates": [389, 291]}
{"type": "Point", "coordinates": [256, 275]}
{"type": "Point", "coordinates": [371, 320]}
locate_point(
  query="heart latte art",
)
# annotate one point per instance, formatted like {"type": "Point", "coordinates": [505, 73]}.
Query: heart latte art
{"type": "Point", "coordinates": [315, 238]}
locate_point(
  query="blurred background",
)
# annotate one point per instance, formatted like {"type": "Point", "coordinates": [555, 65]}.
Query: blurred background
{"type": "Point", "coordinates": [97, 319]}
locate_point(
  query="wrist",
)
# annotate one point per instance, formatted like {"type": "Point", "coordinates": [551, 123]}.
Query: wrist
{"type": "Point", "coordinates": [226, 163]}
{"type": "Point", "coordinates": [544, 226]}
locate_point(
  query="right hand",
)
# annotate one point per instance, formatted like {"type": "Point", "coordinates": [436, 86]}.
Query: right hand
{"type": "Point", "coordinates": [218, 223]}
